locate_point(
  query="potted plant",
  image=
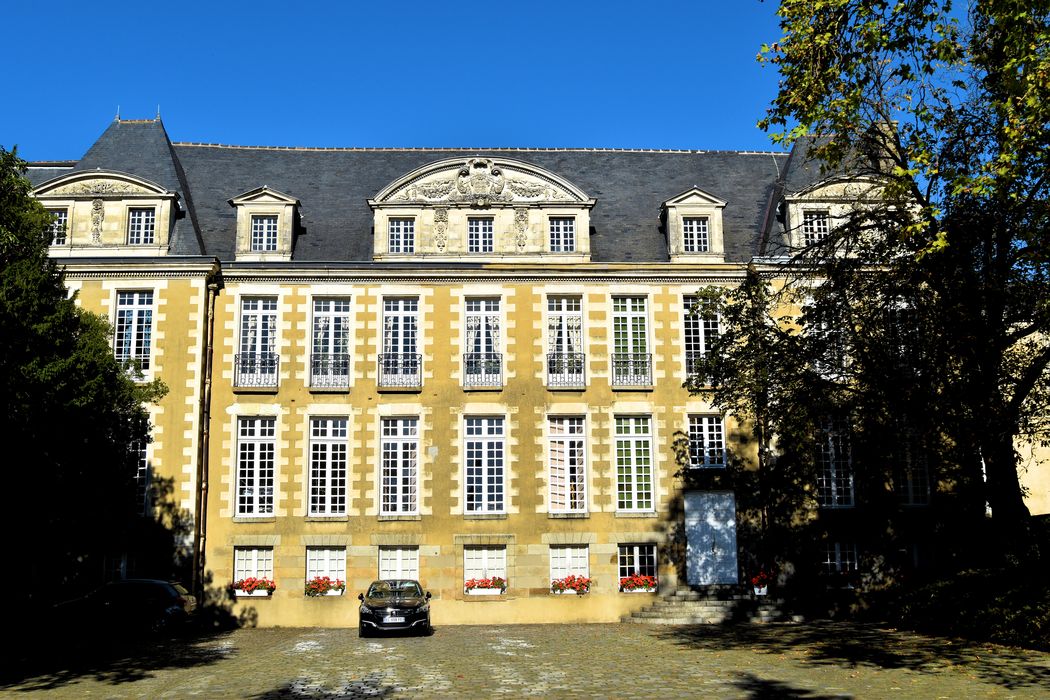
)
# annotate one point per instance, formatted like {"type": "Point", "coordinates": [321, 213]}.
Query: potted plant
{"type": "Point", "coordinates": [760, 582]}
{"type": "Point", "coordinates": [323, 585]}
{"type": "Point", "coordinates": [486, 586]}
{"type": "Point", "coordinates": [571, 585]}
{"type": "Point", "coordinates": [638, 583]}
{"type": "Point", "coordinates": [252, 586]}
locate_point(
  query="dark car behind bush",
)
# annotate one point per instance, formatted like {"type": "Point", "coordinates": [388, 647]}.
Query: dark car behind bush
{"type": "Point", "coordinates": [131, 605]}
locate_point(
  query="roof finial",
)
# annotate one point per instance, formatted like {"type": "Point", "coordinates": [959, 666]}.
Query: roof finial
{"type": "Point", "coordinates": [117, 118]}
{"type": "Point", "coordinates": [158, 112]}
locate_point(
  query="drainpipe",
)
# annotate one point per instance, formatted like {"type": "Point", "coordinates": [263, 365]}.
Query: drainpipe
{"type": "Point", "coordinates": [201, 511]}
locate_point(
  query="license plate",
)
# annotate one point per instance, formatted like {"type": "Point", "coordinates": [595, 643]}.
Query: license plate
{"type": "Point", "coordinates": [393, 618]}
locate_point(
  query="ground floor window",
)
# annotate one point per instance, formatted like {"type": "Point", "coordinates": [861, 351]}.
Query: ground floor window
{"type": "Point", "coordinates": [253, 570]}
{"type": "Point", "coordinates": [325, 570]}
{"type": "Point", "coordinates": [840, 562]}
{"type": "Point", "coordinates": [399, 562]}
{"type": "Point", "coordinates": [570, 569]}
{"type": "Point", "coordinates": [637, 567]}
{"type": "Point", "coordinates": [485, 570]}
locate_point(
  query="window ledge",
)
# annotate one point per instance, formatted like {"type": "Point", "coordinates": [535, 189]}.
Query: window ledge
{"type": "Point", "coordinates": [484, 516]}
{"type": "Point", "coordinates": [488, 387]}
{"type": "Point", "coordinates": [568, 516]}
{"type": "Point", "coordinates": [329, 389]}
{"type": "Point", "coordinates": [327, 518]}
{"type": "Point", "coordinates": [400, 389]}
{"type": "Point", "coordinates": [578, 388]}
{"type": "Point", "coordinates": [394, 518]}
{"type": "Point", "coordinates": [255, 389]}
{"type": "Point", "coordinates": [632, 514]}
{"type": "Point", "coordinates": [255, 519]}
{"type": "Point", "coordinates": [632, 387]}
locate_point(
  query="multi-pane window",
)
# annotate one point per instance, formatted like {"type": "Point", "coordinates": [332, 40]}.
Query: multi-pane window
{"type": "Point", "coordinates": [257, 360]}
{"type": "Point", "coordinates": [834, 465]}
{"type": "Point", "coordinates": [637, 560]}
{"type": "Point", "coordinates": [701, 327]}
{"type": "Point", "coordinates": [484, 562]}
{"type": "Point", "coordinates": [485, 458]}
{"type": "Point", "coordinates": [141, 225]}
{"type": "Point", "coordinates": [563, 234]}
{"type": "Point", "coordinates": [264, 233]}
{"type": "Point", "coordinates": [631, 360]}
{"type": "Point", "coordinates": [401, 235]}
{"type": "Point", "coordinates": [913, 476]}
{"type": "Point", "coordinates": [399, 365]}
{"type": "Point", "coordinates": [59, 226]}
{"type": "Point", "coordinates": [483, 362]}
{"type": "Point", "coordinates": [330, 352]}
{"type": "Point", "coordinates": [256, 445]}
{"type": "Point", "coordinates": [252, 562]}
{"type": "Point", "coordinates": [706, 442]}
{"type": "Point", "coordinates": [143, 476]}
{"type": "Point", "coordinates": [479, 235]}
{"type": "Point", "coordinates": [134, 328]}
{"type": "Point", "coordinates": [326, 561]}
{"type": "Point", "coordinates": [694, 234]}
{"type": "Point", "coordinates": [815, 226]}
{"type": "Point", "coordinates": [400, 471]}
{"type": "Point", "coordinates": [565, 358]}
{"type": "Point", "coordinates": [840, 557]}
{"type": "Point", "coordinates": [399, 562]}
{"type": "Point", "coordinates": [634, 463]}
{"type": "Point", "coordinates": [567, 458]}
{"type": "Point", "coordinates": [571, 560]}
{"type": "Point", "coordinates": [328, 451]}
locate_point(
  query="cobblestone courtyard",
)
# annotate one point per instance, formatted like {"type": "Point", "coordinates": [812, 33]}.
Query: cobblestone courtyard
{"type": "Point", "coordinates": [621, 661]}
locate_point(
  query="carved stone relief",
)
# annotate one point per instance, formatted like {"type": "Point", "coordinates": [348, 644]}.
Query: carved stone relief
{"type": "Point", "coordinates": [480, 182]}
{"type": "Point", "coordinates": [96, 187]}
{"type": "Point", "coordinates": [521, 225]}
{"type": "Point", "coordinates": [98, 214]}
{"type": "Point", "coordinates": [441, 228]}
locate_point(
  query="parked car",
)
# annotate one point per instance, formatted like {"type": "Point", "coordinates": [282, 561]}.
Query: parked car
{"type": "Point", "coordinates": [131, 605]}
{"type": "Point", "coordinates": [394, 604]}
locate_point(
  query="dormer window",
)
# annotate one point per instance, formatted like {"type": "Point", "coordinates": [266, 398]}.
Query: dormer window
{"type": "Point", "coordinates": [401, 235]}
{"type": "Point", "coordinates": [141, 223]}
{"type": "Point", "coordinates": [693, 221]}
{"type": "Point", "coordinates": [266, 224]}
{"type": "Point", "coordinates": [480, 236]}
{"type": "Point", "coordinates": [59, 226]}
{"type": "Point", "coordinates": [695, 235]}
{"type": "Point", "coordinates": [563, 234]}
{"type": "Point", "coordinates": [815, 227]}
{"type": "Point", "coordinates": [264, 233]}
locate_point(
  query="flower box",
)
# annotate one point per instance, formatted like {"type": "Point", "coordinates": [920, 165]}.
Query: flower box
{"type": "Point", "coordinates": [495, 585]}
{"type": "Point", "coordinates": [571, 585]}
{"type": "Point", "coordinates": [253, 587]}
{"type": "Point", "coordinates": [638, 583]}
{"type": "Point", "coordinates": [258, 593]}
{"type": "Point", "coordinates": [761, 590]}
{"type": "Point", "coordinates": [485, 591]}
{"type": "Point", "coordinates": [322, 586]}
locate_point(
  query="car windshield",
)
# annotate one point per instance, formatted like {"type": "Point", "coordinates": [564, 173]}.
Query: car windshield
{"type": "Point", "coordinates": [391, 589]}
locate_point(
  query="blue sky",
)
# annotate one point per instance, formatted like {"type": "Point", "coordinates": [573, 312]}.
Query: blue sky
{"type": "Point", "coordinates": [454, 73]}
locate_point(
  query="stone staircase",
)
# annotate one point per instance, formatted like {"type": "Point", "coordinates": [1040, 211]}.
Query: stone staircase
{"type": "Point", "coordinates": [710, 605]}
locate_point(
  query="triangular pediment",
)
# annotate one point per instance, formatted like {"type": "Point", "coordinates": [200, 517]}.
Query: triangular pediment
{"type": "Point", "coordinates": [695, 195]}
{"type": "Point", "coordinates": [263, 195]}
{"type": "Point", "coordinates": [98, 183]}
{"type": "Point", "coordinates": [480, 181]}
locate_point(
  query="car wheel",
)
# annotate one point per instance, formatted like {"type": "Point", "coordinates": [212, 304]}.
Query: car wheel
{"type": "Point", "coordinates": [361, 631]}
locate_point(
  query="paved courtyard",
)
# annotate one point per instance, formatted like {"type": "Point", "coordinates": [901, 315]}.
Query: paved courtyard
{"type": "Point", "coordinates": [810, 661]}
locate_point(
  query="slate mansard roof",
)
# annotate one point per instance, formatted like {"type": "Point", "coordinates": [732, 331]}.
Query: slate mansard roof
{"type": "Point", "coordinates": [333, 186]}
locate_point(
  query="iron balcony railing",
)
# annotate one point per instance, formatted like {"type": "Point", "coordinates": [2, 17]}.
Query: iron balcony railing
{"type": "Point", "coordinates": [632, 369]}
{"type": "Point", "coordinates": [400, 370]}
{"type": "Point", "coordinates": [256, 369]}
{"type": "Point", "coordinates": [329, 370]}
{"type": "Point", "coordinates": [483, 369]}
{"type": "Point", "coordinates": [566, 369]}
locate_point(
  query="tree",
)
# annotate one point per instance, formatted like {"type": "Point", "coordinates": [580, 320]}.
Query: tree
{"type": "Point", "coordinates": [72, 415]}
{"type": "Point", "coordinates": [950, 115]}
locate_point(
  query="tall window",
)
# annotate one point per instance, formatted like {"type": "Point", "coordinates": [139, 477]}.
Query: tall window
{"type": "Point", "coordinates": [252, 562]}
{"type": "Point", "coordinates": [840, 557]}
{"type": "Point", "coordinates": [484, 562]}
{"type": "Point", "coordinates": [479, 235]}
{"type": "Point", "coordinates": [706, 442]}
{"type": "Point", "coordinates": [256, 445]}
{"type": "Point", "coordinates": [563, 234]}
{"type": "Point", "coordinates": [913, 476]}
{"type": "Point", "coordinates": [631, 360]}
{"type": "Point", "coordinates": [330, 353]}
{"type": "Point", "coordinates": [634, 463]}
{"type": "Point", "coordinates": [400, 472]}
{"type": "Point", "coordinates": [328, 448]}
{"type": "Point", "coordinates": [133, 335]}
{"type": "Point", "coordinates": [326, 561]}
{"type": "Point", "coordinates": [483, 363]}
{"type": "Point", "coordinates": [835, 468]}
{"type": "Point", "coordinates": [59, 226]}
{"type": "Point", "coordinates": [264, 233]}
{"type": "Point", "coordinates": [567, 458]}
{"type": "Point", "coordinates": [815, 227]}
{"type": "Point", "coordinates": [399, 562]}
{"type": "Point", "coordinates": [257, 360]}
{"type": "Point", "coordinates": [637, 560]}
{"type": "Point", "coordinates": [694, 235]}
{"type": "Point", "coordinates": [701, 331]}
{"type": "Point", "coordinates": [143, 477]}
{"type": "Point", "coordinates": [569, 560]}
{"type": "Point", "coordinates": [401, 235]}
{"type": "Point", "coordinates": [565, 358]}
{"type": "Point", "coordinates": [484, 465]}
{"type": "Point", "coordinates": [399, 365]}
{"type": "Point", "coordinates": [141, 223]}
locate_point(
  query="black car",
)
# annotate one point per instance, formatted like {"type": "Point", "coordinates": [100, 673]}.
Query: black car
{"type": "Point", "coordinates": [394, 604]}
{"type": "Point", "coordinates": [131, 605]}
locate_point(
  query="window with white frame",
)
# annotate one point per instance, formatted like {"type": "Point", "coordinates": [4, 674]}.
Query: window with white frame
{"type": "Point", "coordinates": [695, 235]}
{"type": "Point", "coordinates": [563, 234]}
{"type": "Point", "coordinates": [399, 365]}
{"type": "Point", "coordinates": [399, 562]}
{"type": "Point", "coordinates": [330, 351]}
{"type": "Point", "coordinates": [840, 557]}
{"type": "Point", "coordinates": [256, 447]}
{"type": "Point", "coordinates": [401, 235]}
{"type": "Point", "coordinates": [484, 562]}
{"type": "Point", "coordinates": [133, 335]}
{"type": "Point", "coordinates": [706, 442]}
{"type": "Point", "coordinates": [482, 362]}
{"type": "Point", "coordinates": [566, 456]}
{"type": "Point", "coordinates": [484, 467]}
{"type": "Point", "coordinates": [912, 477]}
{"type": "Point", "coordinates": [569, 560]}
{"type": "Point", "coordinates": [565, 358]}
{"type": "Point", "coordinates": [815, 226]}
{"type": "Point", "coordinates": [141, 226]}
{"type": "Point", "coordinates": [59, 226]}
{"type": "Point", "coordinates": [252, 562]}
{"type": "Point", "coordinates": [479, 235]}
{"type": "Point", "coordinates": [634, 463]}
{"type": "Point", "coordinates": [400, 471]}
{"type": "Point", "coordinates": [631, 359]}
{"type": "Point", "coordinates": [143, 476]}
{"type": "Point", "coordinates": [328, 450]}
{"type": "Point", "coordinates": [256, 362]}
{"type": "Point", "coordinates": [834, 465]}
{"type": "Point", "coordinates": [326, 561]}
{"type": "Point", "coordinates": [702, 327]}
{"type": "Point", "coordinates": [637, 560]}
{"type": "Point", "coordinates": [264, 233]}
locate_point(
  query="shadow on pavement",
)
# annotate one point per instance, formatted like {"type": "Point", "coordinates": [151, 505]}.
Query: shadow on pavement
{"type": "Point", "coordinates": [371, 686]}
{"type": "Point", "coordinates": [854, 644]}
{"type": "Point", "coordinates": [763, 689]}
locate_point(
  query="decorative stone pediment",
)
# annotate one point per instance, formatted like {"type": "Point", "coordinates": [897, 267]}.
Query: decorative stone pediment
{"type": "Point", "coordinates": [99, 183]}
{"type": "Point", "coordinates": [696, 197]}
{"type": "Point", "coordinates": [840, 190]}
{"type": "Point", "coordinates": [263, 195]}
{"type": "Point", "coordinates": [693, 223]}
{"type": "Point", "coordinates": [277, 207]}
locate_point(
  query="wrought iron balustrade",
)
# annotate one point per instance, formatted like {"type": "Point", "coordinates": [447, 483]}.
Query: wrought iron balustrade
{"type": "Point", "coordinates": [400, 370]}
{"type": "Point", "coordinates": [330, 370]}
{"type": "Point", "coordinates": [632, 369]}
{"type": "Point", "coordinates": [256, 369]}
{"type": "Point", "coordinates": [566, 369]}
{"type": "Point", "coordinates": [483, 369]}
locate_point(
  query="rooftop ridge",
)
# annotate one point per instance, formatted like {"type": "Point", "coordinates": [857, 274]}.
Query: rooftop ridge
{"type": "Point", "coordinates": [450, 149]}
{"type": "Point", "coordinates": [51, 163]}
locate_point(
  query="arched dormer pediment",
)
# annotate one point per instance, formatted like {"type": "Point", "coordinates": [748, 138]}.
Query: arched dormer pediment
{"type": "Point", "coordinates": [102, 213]}
{"type": "Point", "coordinates": [813, 212]}
{"type": "Point", "coordinates": [481, 209]}
{"type": "Point", "coordinates": [693, 223]}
